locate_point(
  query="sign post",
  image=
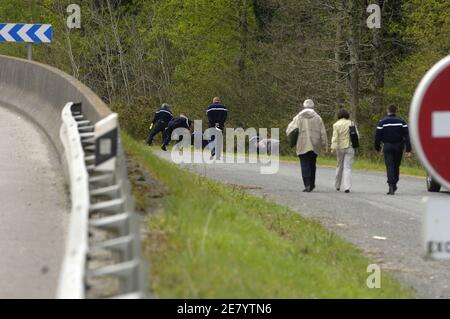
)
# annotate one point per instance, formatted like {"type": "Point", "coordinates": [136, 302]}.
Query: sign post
{"type": "Point", "coordinates": [436, 227]}
{"type": "Point", "coordinates": [430, 134]}
{"type": "Point", "coordinates": [29, 51]}
{"type": "Point", "coordinates": [26, 33]}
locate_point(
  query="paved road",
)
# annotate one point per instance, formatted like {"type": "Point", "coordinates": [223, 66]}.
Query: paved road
{"type": "Point", "coordinates": [33, 210]}
{"type": "Point", "coordinates": [358, 217]}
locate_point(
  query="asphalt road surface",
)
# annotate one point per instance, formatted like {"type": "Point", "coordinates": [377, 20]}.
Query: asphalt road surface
{"type": "Point", "coordinates": [367, 212]}
{"type": "Point", "coordinates": [34, 207]}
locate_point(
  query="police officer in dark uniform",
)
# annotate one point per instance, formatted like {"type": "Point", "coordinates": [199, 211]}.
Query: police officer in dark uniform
{"type": "Point", "coordinates": [393, 132]}
{"type": "Point", "coordinates": [160, 122]}
{"type": "Point", "coordinates": [217, 115]}
{"type": "Point", "coordinates": [178, 122]}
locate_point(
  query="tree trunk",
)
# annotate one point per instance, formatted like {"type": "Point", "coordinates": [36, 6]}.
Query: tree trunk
{"type": "Point", "coordinates": [115, 29]}
{"type": "Point", "coordinates": [353, 43]}
{"type": "Point", "coordinates": [243, 28]}
{"type": "Point", "coordinates": [378, 65]}
{"type": "Point", "coordinates": [338, 58]}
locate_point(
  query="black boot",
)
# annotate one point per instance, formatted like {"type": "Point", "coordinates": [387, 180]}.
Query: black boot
{"type": "Point", "coordinates": [391, 190]}
{"type": "Point", "coordinates": [313, 183]}
{"type": "Point", "coordinates": [307, 183]}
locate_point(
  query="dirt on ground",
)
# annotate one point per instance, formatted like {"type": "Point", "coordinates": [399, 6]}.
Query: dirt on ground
{"type": "Point", "coordinates": [147, 190]}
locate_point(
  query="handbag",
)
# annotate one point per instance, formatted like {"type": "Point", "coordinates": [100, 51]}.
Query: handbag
{"type": "Point", "coordinates": [354, 138]}
{"type": "Point", "coordinates": [293, 137]}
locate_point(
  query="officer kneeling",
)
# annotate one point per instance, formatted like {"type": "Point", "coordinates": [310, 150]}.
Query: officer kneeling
{"type": "Point", "coordinates": [178, 122]}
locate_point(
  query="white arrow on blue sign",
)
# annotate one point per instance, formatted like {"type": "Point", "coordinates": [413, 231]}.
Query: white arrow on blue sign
{"type": "Point", "coordinates": [30, 33]}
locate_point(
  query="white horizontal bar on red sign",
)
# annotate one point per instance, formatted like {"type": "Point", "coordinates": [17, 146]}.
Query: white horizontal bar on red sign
{"type": "Point", "coordinates": [441, 124]}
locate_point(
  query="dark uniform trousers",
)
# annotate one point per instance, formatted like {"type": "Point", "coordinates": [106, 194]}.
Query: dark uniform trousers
{"type": "Point", "coordinates": [167, 135]}
{"type": "Point", "coordinates": [393, 153]}
{"type": "Point", "coordinates": [175, 123]}
{"type": "Point", "coordinates": [393, 132]}
{"type": "Point", "coordinates": [308, 165]}
{"type": "Point", "coordinates": [160, 126]}
{"type": "Point", "coordinates": [213, 138]}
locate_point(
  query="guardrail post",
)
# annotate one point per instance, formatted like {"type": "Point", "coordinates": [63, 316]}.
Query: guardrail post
{"type": "Point", "coordinates": [105, 181]}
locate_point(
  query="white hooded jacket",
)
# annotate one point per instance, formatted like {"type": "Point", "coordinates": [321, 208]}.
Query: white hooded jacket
{"type": "Point", "coordinates": [312, 134]}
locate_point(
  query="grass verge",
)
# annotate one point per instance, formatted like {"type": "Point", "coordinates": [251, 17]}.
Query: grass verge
{"type": "Point", "coordinates": [365, 165]}
{"type": "Point", "coordinates": [213, 241]}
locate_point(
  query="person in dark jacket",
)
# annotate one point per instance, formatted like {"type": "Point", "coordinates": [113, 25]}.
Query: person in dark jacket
{"type": "Point", "coordinates": [393, 132]}
{"type": "Point", "coordinates": [160, 122]}
{"type": "Point", "coordinates": [217, 115]}
{"type": "Point", "coordinates": [178, 122]}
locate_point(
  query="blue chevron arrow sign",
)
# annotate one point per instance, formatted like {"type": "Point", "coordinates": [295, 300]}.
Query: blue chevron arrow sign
{"type": "Point", "coordinates": [29, 33]}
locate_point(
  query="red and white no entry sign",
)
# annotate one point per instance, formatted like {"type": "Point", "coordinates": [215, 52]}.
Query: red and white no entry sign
{"type": "Point", "coordinates": [430, 121]}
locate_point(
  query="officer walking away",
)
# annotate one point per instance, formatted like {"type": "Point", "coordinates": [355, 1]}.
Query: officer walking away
{"type": "Point", "coordinates": [160, 122]}
{"type": "Point", "coordinates": [178, 122]}
{"type": "Point", "coordinates": [393, 132]}
{"type": "Point", "coordinates": [217, 115]}
{"type": "Point", "coordinates": [312, 138]}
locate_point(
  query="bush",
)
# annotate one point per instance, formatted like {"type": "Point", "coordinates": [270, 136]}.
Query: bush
{"type": "Point", "coordinates": [136, 118]}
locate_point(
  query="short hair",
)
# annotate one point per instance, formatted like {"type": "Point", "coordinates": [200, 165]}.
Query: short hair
{"type": "Point", "coordinates": [216, 99]}
{"type": "Point", "coordinates": [308, 104]}
{"type": "Point", "coordinates": [343, 114]}
{"type": "Point", "coordinates": [392, 109]}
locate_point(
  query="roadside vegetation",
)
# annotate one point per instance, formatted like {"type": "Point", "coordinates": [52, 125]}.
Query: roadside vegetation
{"type": "Point", "coordinates": [209, 240]}
{"type": "Point", "coordinates": [408, 167]}
{"type": "Point", "coordinates": [262, 57]}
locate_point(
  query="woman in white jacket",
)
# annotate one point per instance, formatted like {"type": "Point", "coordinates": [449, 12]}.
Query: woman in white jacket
{"type": "Point", "coordinates": [345, 153]}
{"type": "Point", "coordinates": [312, 139]}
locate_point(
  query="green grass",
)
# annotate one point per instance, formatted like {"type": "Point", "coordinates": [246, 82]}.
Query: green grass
{"type": "Point", "coordinates": [214, 241]}
{"type": "Point", "coordinates": [407, 168]}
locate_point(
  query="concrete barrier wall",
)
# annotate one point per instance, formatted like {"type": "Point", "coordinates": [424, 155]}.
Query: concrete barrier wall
{"type": "Point", "coordinates": [40, 92]}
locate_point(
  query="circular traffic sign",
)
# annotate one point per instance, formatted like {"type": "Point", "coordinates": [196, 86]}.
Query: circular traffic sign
{"type": "Point", "coordinates": [430, 121]}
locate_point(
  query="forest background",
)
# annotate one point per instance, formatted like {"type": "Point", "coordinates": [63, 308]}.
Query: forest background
{"type": "Point", "coordinates": [262, 57]}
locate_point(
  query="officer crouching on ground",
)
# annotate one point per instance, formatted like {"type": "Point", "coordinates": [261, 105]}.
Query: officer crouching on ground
{"type": "Point", "coordinates": [178, 122]}
{"type": "Point", "coordinates": [160, 122]}
{"type": "Point", "coordinates": [393, 132]}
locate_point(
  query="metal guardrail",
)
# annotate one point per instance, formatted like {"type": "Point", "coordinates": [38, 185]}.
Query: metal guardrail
{"type": "Point", "coordinates": [74, 264]}
{"type": "Point", "coordinates": [101, 201]}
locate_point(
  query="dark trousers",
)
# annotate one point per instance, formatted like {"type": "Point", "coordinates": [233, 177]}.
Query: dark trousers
{"type": "Point", "coordinates": [213, 138]}
{"type": "Point", "coordinates": [160, 126]}
{"type": "Point", "coordinates": [393, 153]}
{"type": "Point", "coordinates": [308, 165]}
{"type": "Point", "coordinates": [167, 135]}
